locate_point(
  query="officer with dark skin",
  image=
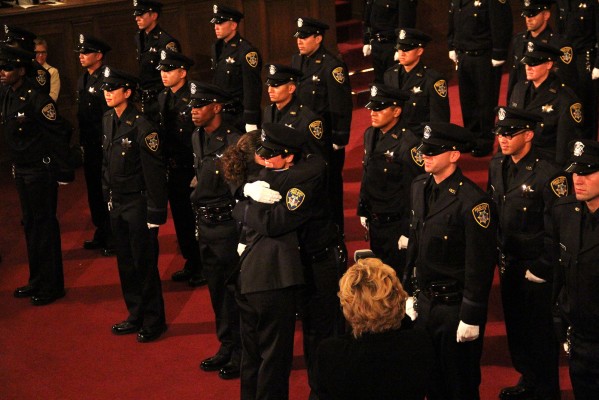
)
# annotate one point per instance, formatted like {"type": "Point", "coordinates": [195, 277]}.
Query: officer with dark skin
{"type": "Point", "coordinates": [176, 128]}
{"type": "Point", "coordinates": [134, 185]}
{"type": "Point", "coordinates": [237, 65]}
{"type": "Point", "coordinates": [451, 253]}
{"type": "Point", "coordinates": [286, 108]}
{"type": "Point", "coordinates": [150, 40]}
{"type": "Point", "coordinates": [324, 88]}
{"type": "Point", "coordinates": [391, 162]}
{"type": "Point", "coordinates": [218, 233]}
{"type": "Point", "coordinates": [381, 19]}
{"type": "Point", "coordinates": [34, 135]}
{"type": "Point", "coordinates": [576, 251]}
{"type": "Point", "coordinates": [92, 106]}
{"type": "Point", "coordinates": [544, 94]}
{"type": "Point", "coordinates": [428, 88]}
{"type": "Point", "coordinates": [524, 188]}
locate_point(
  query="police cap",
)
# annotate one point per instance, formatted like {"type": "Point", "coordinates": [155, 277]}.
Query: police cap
{"type": "Point", "coordinates": [440, 137]}
{"type": "Point", "coordinates": [408, 39]}
{"type": "Point", "coordinates": [221, 13]}
{"type": "Point", "coordinates": [279, 139]}
{"type": "Point", "coordinates": [383, 96]}
{"type": "Point", "coordinates": [140, 7]}
{"type": "Point", "coordinates": [511, 120]}
{"type": "Point", "coordinates": [533, 7]}
{"type": "Point", "coordinates": [89, 44]}
{"type": "Point", "coordinates": [203, 94]}
{"type": "Point", "coordinates": [116, 78]}
{"type": "Point", "coordinates": [170, 60]}
{"type": "Point", "coordinates": [584, 156]}
{"type": "Point", "coordinates": [308, 26]}
{"type": "Point", "coordinates": [538, 52]}
{"type": "Point", "coordinates": [23, 38]}
{"type": "Point", "coordinates": [279, 74]}
{"type": "Point", "coordinates": [13, 57]}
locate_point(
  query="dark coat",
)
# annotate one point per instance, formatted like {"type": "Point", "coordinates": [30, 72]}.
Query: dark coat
{"type": "Point", "coordinates": [91, 107]}
{"type": "Point", "coordinates": [148, 49]}
{"type": "Point", "coordinates": [387, 15]}
{"type": "Point", "coordinates": [176, 127]}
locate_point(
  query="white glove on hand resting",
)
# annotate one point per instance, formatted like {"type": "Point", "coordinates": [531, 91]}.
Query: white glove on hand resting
{"type": "Point", "coordinates": [453, 56]}
{"type": "Point", "coordinates": [367, 49]}
{"type": "Point", "coordinates": [595, 73]}
{"type": "Point", "coordinates": [402, 243]}
{"type": "Point", "coordinates": [410, 310]}
{"type": "Point", "coordinates": [150, 226]}
{"type": "Point", "coordinates": [337, 146]}
{"type": "Point", "coordinates": [240, 248]}
{"type": "Point", "coordinates": [364, 222]}
{"type": "Point", "coordinates": [260, 192]}
{"type": "Point", "coordinates": [533, 278]}
{"type": "Point", "coordinates": [497, 63]}
{"type": "Point", "coordinates": [250, 127]}
{"type": "Point", "coordinates": [467, 333]}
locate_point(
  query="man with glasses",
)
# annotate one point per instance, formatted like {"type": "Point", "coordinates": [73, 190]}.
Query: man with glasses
{"type": "Point", "coordinates": [41, 56]}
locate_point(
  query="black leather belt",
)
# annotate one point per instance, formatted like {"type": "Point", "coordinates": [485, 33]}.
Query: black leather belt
{"type": "Point", "coordinates": [473, 53]}
{"type": "Point", "coordinates": [383, 38]}
{"type": "Point", "coordinates": [385, 218]}
{"type": "Point", "coordinates": [214, 213]}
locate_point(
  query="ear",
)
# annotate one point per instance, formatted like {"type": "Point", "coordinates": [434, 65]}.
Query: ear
{"type": "Point", "coordinates": [217, 107]}
{"type": "Point", "coordinates": [420, 51]}
{"type": "Point", "coordinates": [318, 39]}
{"type": "Point", "coordinates": [127, 93]}
{"type": "Point", "coordinates": [183, 73]}
{"type": "Point", "coordinates": [529, 135]}
{"type": "Point", "coordinates": [292, 88]}
{"type": "Point", "coordinates": [454, 156]}
{"type": "Point", "coordinates": [396, 112]}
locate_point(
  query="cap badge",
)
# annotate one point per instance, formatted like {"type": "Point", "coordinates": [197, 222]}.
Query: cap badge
{"type": "Point", "coordinates": [272, 70]}
{"type": "Point", "coordinates": [526, 3]}
{"type": "Point", "coordinates": [427, 132]}
{"type": "Point", "coordinates": [134, 3]}
{"type": "Point", "coordinates": [81, 39]}
{"type": "Point", "coordinates": [531, 47]}
{"type": "Point", "coordinates": [263, 136]}
{"type": "Point", "coordinates": [501, 114]}
{"type": "Point", "coordinates": [300, 22]}
{"type": "Point", "coordinates": [163, 55]}
{"type": "Point", "coordinates": [106, 72]}
{"type": "Point", "coordinates": [6, 28]}
{"type": "Point", "coordinates": [373, 91]}
{"type": "Point", "coordinates": [578, 149]}
{"type": "Point", "coordinates": [402, 34]}
{"type": "Point", "coordinates": [215, 9]}
{"type": "Point", "coordinates": [193, 88]}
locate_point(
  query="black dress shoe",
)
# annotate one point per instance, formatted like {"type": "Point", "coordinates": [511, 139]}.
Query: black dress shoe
{"type": "Point", "coordinates": [92, 244]}
{"type": "Point", "coordinates": [25, 291]}
{"type": "Point", "coordinates": [181, 276]}
{"type": "Point", "coordinates": [516, 392]}
{"type": "Point", "coordinates": [215, 363]}
{"type": "Point", "coordinates": [198, 280]}
{"type": "Point", "coordinates": [124, 328]}
{"type": "Point", "coordinates": [43, 299]}
{"type": "Point", "coordinates": [108, 252]}
{"type": "Point", "coordinates": [229, 371]}
{"type": "Point", "coordinates": [146, 335]}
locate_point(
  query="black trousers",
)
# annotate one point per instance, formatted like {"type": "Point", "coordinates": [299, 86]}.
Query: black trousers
{"type": "Point", "coordinates": [382, 58]}
{"type": "Point", "coordinates": [383, 242]}
{"type": "Point", "coordinates": [335, 187]}
{"type": "Point", "coordinates": [534, 349]}
{"type": "Point", "coordinates": [38, 193]}
{"type": "Point", "coordinates": [267, 332]}
{"type": "Point", "coordinates": [584, 368]}
{"type": "Point", "coordinates": [92, 168]}
{"type": "Point", "coordinates": [137, 259]}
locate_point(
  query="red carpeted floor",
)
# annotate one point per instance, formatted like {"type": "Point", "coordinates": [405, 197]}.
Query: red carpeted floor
{"type": "Point", "coordinates": [66, 351]}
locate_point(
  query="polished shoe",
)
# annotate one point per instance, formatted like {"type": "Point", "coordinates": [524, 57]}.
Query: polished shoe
{"type": "Point", "coordinates": [92, 244]}
{"type": "Point", "coordinates": [229, 371]}
{"type": "Point", "coordinates": [196, 281]}
{"type": "Point", "coordinates": [149, 335]}
{"type": "Point", "coordinates": [516, 392]}
{"type": "Point", "coordinates": [124, 328]}
{"type": "Point", "coordinates": [215, 363]}
{"type": "Point", "coordinates": [108, 252]}
{"type": "Point", "coordinates": [181, 276]}
{"type": "Point", "coordinates": [25, 291]}
{"type": "Point", "coordinates": [42, 300]}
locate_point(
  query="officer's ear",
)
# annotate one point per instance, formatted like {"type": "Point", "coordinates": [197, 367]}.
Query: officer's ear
{"type": "Point", "coordinates": [420, 51]}
{"type": "Point", "coordinates": [454, 156]}
{"type": "Point", "coordinates": [127, 92]}
{"type": "Point", "coordinates": [396, 112]}
{"type": "Point", "coordinates": [529, 135]}
{"type": "Point", "coordinates": [234, 25]}
{"type": "Point", "coordinates": [183, 73]}
{"type": "Point", "coordinates": [318, 38]}
{"type": "Point", "coordinates": [291, 88]}
{"type": "Point", "coordinates": [217, 107]}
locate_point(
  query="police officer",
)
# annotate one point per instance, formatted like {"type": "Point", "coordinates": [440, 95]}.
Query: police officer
{"type": "Point", "coordinates": [324, 88]}
{"type": "Point", "coordinates": [35, 137]}
{"type": "Point", "coordinates": [428, 88]}
{"type": "Point", "coordinates": [478, 38]}
{"type": "Point", "coordinates": [150, 40]}
{"type": "Point", "coordinates": [286, 108]}
{"type": "Point", "coordinates": [576, 241]}
{"type": "Point", "coordinates": [544, 94]}
{"type": "Point", "coordinates": [218, 232]}
{"type": "Point", "coordinates": [134, 185]}
{"type": "Point", "coordinates": [92, 106]}
{"type": "Point", "coordinates": [537, 14]}
{"type": "Point", "coordinates": [381, 18]}
{"type": "Point", "coordinates": [452, 248]}
{"type": "Point", "coordinates": [390, 163]}
{"type": "Point", "coordinates": [176, 129]}
{"type": "Point", "coordinates": [237, 65]}
{"type": "Point", "coordinates": [524, 188]}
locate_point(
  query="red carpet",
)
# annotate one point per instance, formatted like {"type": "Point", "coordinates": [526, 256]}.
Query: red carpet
{"type": "Point", "coordinates": [66, 351]}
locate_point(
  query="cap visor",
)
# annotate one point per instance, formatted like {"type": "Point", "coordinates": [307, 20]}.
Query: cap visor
{"type": "Point", "coordinates": [404, 47]}
{"type": "Point", "coordinates": [582, 169]}
{"type": "Point", "coordinates": [431, 150]}
{"type": "Point", "coordinates": [267, 153]}
{"type": "Point", "coordinates": [531, 61]}
{"type": "Point", "coordinates": [199, 103]}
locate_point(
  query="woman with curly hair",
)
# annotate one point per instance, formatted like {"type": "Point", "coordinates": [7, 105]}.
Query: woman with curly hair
{"type": "Point", "coordinates": [240, 163]}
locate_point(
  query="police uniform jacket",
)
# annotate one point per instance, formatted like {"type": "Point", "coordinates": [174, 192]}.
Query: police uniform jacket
{"type": "Point", "coordinates": [390, 163]}
{"type": "Point", "coordinates": [148, 48]}
{"type": "Point", "coordinates": [176, 127]}
{"type": "Point", "coordinates": [480, 25]}
{"type": "Point", "coordinates": [577, 251]}
{"type": "Point", "coordinates": [133, 161]}
{"type": "Point", "coordinates": [237, 66]}
{"type": "Point", "coordinates": [300, 117]}
{"type": "Point", "coordinates": [324, 88]}
{"type": "Point", "coordinates": [39, 77]}
{"type": "Point", "coordinates": [524, 207]}
{"type": "Point", "coordinates": [91, 108]}
{"type": "Point", "coordinates": [386, 16]}
{"type": "Point", "coordinates": [561, 111]}
{"type": "Point", "coordinates": [455, 241]}
{"type": "Point", "coordinates": [578, 22]}
{"type": "Point", "coordinates": [428, 94]}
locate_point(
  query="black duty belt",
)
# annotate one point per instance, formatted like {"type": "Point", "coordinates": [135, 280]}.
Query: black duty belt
{"type": "Point", "coordinates": [474, 53]}
{"type": "Point", "coordinates": [445, 292]}
{"type": "Point", "coordinates": [385, 218]}
{"type": "Point", "coordinates": [214, 213]}
{"type": "Point", "coordinates": [383, 38]}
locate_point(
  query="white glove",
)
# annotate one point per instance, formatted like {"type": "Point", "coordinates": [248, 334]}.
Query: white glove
{"type": "Point", "coordinates": [566, 347]}
{"type": "Point", "coordinates": [453, 56]}
{"type": "Point", "coordinates": [260, 192]}
{"type": "Point", "coordinates": [250, 127]}
{"type": "Point", "coordinates": [595, 73]}
{"type": "Point", "coordinates": [364, 222]}
{"type": "Point", "coordinates": [410, 310]}
{"type": "Point", "coordinates": [150, 226]}
{"type": "Point", "coordinates": [367, 49]}
{"type": "Point", "coordinates": [62, 183]}
{"type": "Point", "coordinates": [533, 278]}
{"type": "Point", "coordinates": [337, 146]}
{"type": "Point", "coordinates": [467, 333]}
{"type": "Point", "coordinates": [497, 63]}
{"type": "Point", "coordinates": [396, 56]}
{"type": "Point", "coordinates": [240, 248]}
{"type": "Point", "coordinates": [402, 243]}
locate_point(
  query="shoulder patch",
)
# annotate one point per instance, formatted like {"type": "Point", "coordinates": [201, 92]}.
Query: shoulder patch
{"type": "Point", "coordinates": [41, 77]}
{"type": "Point", "coordinates": [567, 55]}
{"type": "Point", "coordinates": [152, 141]}
{"type": "Point", "coordinates": [560, 186]}
{"type": "Point", "coordinates": [417, 156]}
{"type": "Point", "coordinates": [576, 112]}
{"type": "Point", "coordinates": [294, 199]}
{"type": "Point", "coordinates": [49, 111]}
{"type": "Point", "coordinates": [252, 59]}
{"type": "Point", "coordinates": [482, 214]}
{"type": "Point", "coordinates": [171, 46]}
{"type": "Point", "coordinates": [316, 129]}
{"type": "Point", "coordinates": [339, 74]}
{"type": "Point", "coordinates": [441, 87]}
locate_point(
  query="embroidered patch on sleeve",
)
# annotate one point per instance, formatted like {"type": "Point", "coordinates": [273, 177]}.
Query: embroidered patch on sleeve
{"type": "Point", "coordinates": [441, 87]}
{"type": "Point", "coordinates": [294, 199]}
{"type": "Point", "coordinates": [576, 112]}
{"type": "Point", "coordinates": [152, 141]}
{"type": "Point", "coordinates": [417, 156]}
{"type": "Point", "coordinates": [316, 129]}
{"type": "Point", "coordinates": [339, 74]}
{"type": "Point", "coordinates": [49, 111]}
{"type": "Point", "coordinates": [482, 214]}
{"type": "Point", "coordinates": [560, 186]}
{"type": "Point", "coordinates": [41, 77]}
{"type": "Point", "coordinates": [252, 59]}
{"type": "Point", "coordinates": [567, 55]}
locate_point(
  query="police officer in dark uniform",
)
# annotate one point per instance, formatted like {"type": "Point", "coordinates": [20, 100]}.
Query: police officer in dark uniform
{"type": "Point", "coordinates": [537, 14]}
{"type": "Point", "coordinates": [324, 88]}
{"type": "Point", "coordinates": [390, 163]}
{"type": "Point", "coordinates": [176, 129]}
{"type": "Point", "coordinates": [452, 249]}
{"type": "Point", "coordinates": [134, 185]}
{"type": "Point", "coordinates": [286, 108]}
{"type": "Point", "coordinates": [92, 106]}
{"type": "Point", "coordinates": [150, 40]}
{"type": "Point", "coordinates": [524, 188]}
{"type": "Point", "coordinates": [218, 233]}
{"type": "Point", "coordinates": [428, 88]}
{"type": "Point", "coordinates": [237, 65]}
{"type": "Point", "coordinates": [381, 19]}
{"type": "Point", "coordinates": [544, 94]}
{"type": "Point", "coordinates": [478, 38]}
{"type": "Point", "coordinates": [576, 241]}
{"type": "Point", "coordinates": [35, 138]}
